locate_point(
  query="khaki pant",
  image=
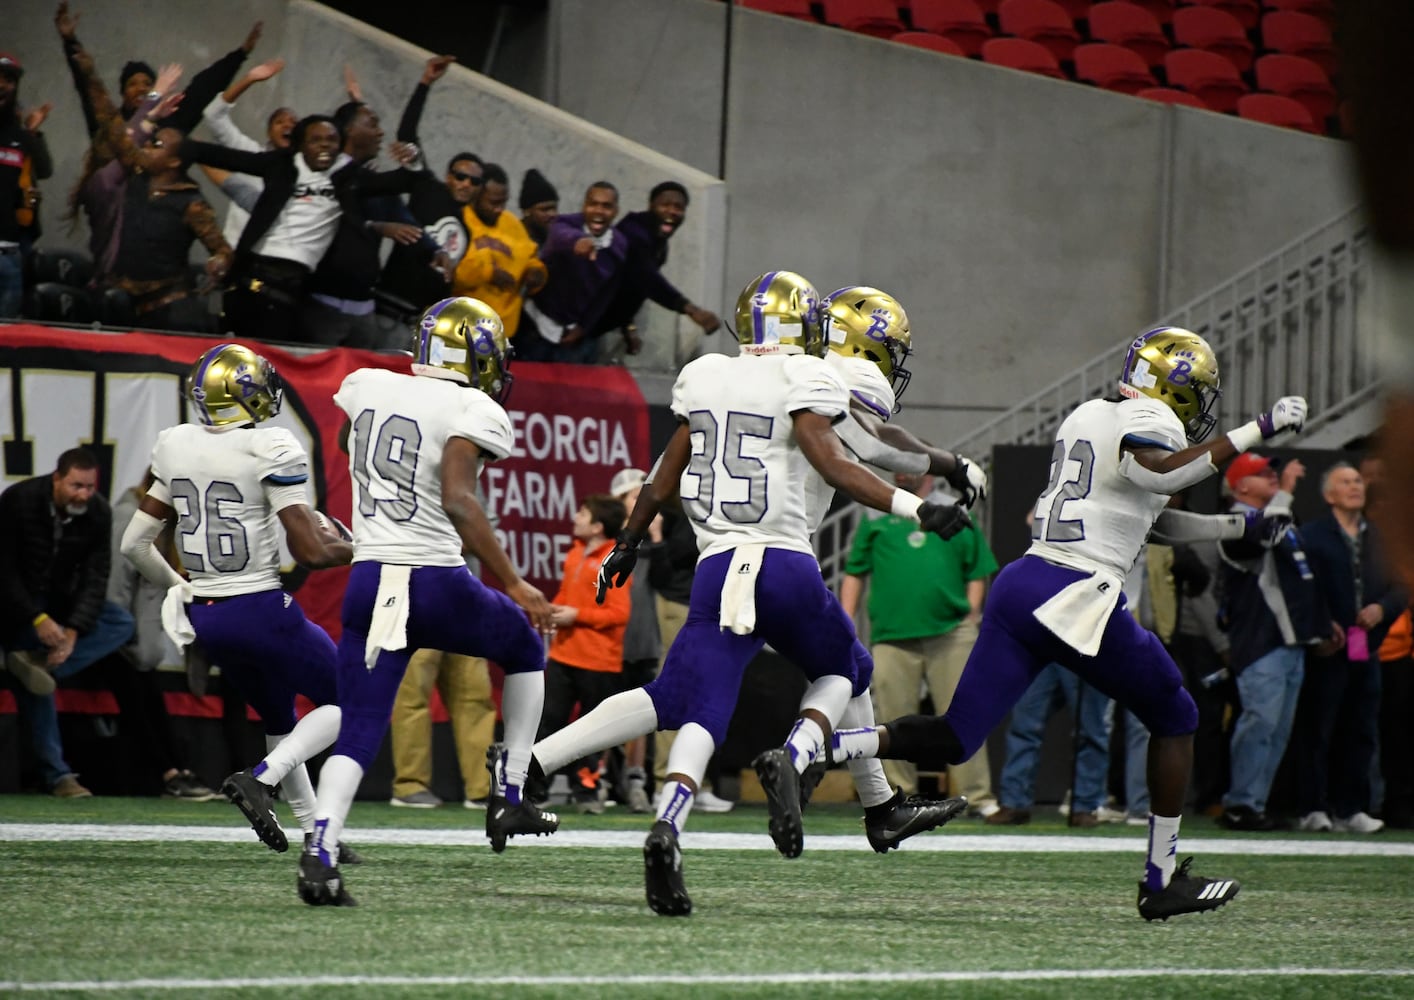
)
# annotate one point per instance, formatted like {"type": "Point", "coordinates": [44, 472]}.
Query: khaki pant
{"type": "Point", "coordinates": [465, 685]}
{"type": "Point", "coordinates": [900, 670]}
{"type": "Point", "coordinates": [671, 618]}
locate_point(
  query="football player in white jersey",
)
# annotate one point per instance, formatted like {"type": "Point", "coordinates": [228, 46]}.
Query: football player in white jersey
{"type": "Point", "coordinates": [416, 445]}
{"type": "Point", "coordinates": [230, 485]}
{"type": "Point", "coordinates": [753, 430]}
{"type": "Point", "coordinates": [1116, 463]}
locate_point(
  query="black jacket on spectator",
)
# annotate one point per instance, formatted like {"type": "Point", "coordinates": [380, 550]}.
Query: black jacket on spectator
{"type": "Point", "coordinates": [51, 562]}
{"type": "Point", "coordinates": [675, 561]}
{"type": "Point", "coordinates": [642, 274]}
{"type": "Point", "coordinates": [1269, 597]}
{"type": "Point", "coordinates": [1331, 561]}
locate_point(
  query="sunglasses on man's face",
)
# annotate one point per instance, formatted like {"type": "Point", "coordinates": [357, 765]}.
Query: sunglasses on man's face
{"type": "Point", "coordinates": [471, 179]}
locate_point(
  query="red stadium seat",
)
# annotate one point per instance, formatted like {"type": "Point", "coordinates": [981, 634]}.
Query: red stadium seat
{"type": "Point", "coordinates": [1273, 109]}
{"type": "Point", "coordinates": [1247, 12]}
{"type": "Point", "coordinates": [1018, 53]}
{"type": "Point", "coordinates": [1300, 79]}
{"type": "Point", "coordinates": [1113, 67]}
{"type": "Point", "coordinates": [1213, 30]}
{"type": "Point", "coordinates": [1295, 34]}
{"type": "Point", "coordinates": [1168, 95]}
{"type": "Point", "coordinates": [798, 9]}
{"type": "Point", "coordinates": [961, 21]}
{"type": "Point", "coordinates": [928, 40]}
{"type": "Point", "coordinates": [1320, 8]}
{"type": "Point", "coordinates": [867, 17]}
{"type": "Point", "coordinates": [1161, 9]}
{"type": "Point", "coordinates": [1042, 21]}
{"type": "Point", "coordinates": [1210, 76]}
{"type": "Point", "coordinates": [1130, 25]}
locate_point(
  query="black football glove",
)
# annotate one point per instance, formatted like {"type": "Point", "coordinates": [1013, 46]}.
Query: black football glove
{"type": "Point", "coordinates": [943, 520]}
{"type": "Point", "coordinates": [617, 565]}
{"type": "Point", "coordinates": [968, 479]}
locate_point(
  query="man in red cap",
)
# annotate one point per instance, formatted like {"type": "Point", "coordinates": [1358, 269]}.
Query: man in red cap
{"type": "Point", "coordinates": [24, 158]}
{"type": "Point", "coordinates": [1272, 613]}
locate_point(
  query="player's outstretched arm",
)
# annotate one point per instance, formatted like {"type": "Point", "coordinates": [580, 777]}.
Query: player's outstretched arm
{"type": "Point", "coordinates": [138, 546]}
{"type": "Point", "coordinates": [815, 434]}
{"type": "Point", "coordinates": [309, 543]}
{"type": "Point", "coordinates": [459, 467]}
{"type": "Point", "coordinates": [660, 487]}
{"type": "Point", "coordinates": [897, 449]}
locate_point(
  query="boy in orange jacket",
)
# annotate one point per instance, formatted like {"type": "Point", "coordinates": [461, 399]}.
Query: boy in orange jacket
{"type": "Point", "coordinates": [586, 654]}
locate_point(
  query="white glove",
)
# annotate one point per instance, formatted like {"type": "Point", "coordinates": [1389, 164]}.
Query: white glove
{"type": "Point", "coordinates": [969, 480]}
{"type": "Point", "coordinates": [1287, 413]}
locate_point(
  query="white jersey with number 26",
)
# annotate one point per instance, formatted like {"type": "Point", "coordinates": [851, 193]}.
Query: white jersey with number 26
{"type": "Point", "coordinates": [746, 481]}
{"type": "Point", "coordinates": [1090, 517]}
{"type": "Point", "coordinates": [400, 425]}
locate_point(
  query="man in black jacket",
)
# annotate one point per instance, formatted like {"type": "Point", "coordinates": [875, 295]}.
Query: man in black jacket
{"type": "Point", "coordinates": [54, 619]}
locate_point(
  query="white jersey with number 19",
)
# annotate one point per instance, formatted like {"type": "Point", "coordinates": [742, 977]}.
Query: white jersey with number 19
{"type": "Point", "coordinates": [746, 481]}
{"type": "Point", "coordinates": [1090, 517]}
{"type": "Point", "coordinates": [400, 425]}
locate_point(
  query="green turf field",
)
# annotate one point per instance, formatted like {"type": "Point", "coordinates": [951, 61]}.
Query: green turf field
{"type": "Point", "coordinates": [966, 911]}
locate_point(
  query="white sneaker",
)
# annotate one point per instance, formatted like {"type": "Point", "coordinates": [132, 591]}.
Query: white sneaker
{"type": "Point", "coordinates": [984, 809]}
{"type": "Point", "coordinates": [1359, 823]}
{"type": "Point", "coordinates": [1107, 814]}
{"type": "Point", "coordinates": [1317, 822]}
{"type": "Point", "coordinates": [706, 802]}
{"type": "Point", "coordinates": [1134, 819]}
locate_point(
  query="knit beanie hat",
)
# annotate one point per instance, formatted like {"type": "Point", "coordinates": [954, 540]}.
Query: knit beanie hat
{"type": "Point", "coordinates": [534, 189]}
{"type": "Point", "coordinates": [132, 69]}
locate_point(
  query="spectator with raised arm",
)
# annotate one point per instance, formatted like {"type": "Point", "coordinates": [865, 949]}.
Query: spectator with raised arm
{"type": "Point", "coordinates": [24, 158]}
{"type": "Point", "coordinates": [438, 207]}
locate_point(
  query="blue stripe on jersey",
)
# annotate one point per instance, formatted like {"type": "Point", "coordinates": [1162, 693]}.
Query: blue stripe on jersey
{"type": "Point", "coordinates": [1144, 442]}
{"type": "Point", "coordinates": [279, 480]}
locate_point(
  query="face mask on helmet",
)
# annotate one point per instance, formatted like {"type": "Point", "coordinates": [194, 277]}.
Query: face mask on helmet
{"type": "Point", "coordinates": [231, 384]}
{"type": "Point", "coordinates": [1179, 369]}
{"type": "Point", "coordinates": [863, 322]}
{"type": "Point", "coordinates": [779, 313]}
{"type": "Point", "coordinates": [462, 340]}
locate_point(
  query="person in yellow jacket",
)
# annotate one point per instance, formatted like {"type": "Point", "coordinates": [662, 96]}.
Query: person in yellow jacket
{"type": "Point", "coordinates": [500, 266]}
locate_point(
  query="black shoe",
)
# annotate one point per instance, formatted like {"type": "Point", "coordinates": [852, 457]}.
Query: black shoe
{"type": "Point", "coordinates": [1185, 893]}
{"type": "Point", "coordinates": [782, 787]}
{"type": "Point", "coordinates": [1247, 819]}
{"type": "Point", "coordinates": [504, 820]}
{"type": "Point", "coordinates": [257, 801]}
{"type": "Point", "coordinates": [662, 873]}
{"type": "Point", "coordinates": [320, 885]}
{"type": "Point", "coordinates": [347, 855]}
{"type": "Point", "coordinates": [811, 778]}
{"type": "Point", "coordinates": [893, 822]}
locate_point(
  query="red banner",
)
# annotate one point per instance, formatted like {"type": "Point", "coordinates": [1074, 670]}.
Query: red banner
{"type": "Point", "coordinates": [575, 427]}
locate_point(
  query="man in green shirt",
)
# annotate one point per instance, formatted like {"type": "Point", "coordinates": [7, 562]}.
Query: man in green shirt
{"type": "Point", "coordinates": [924, 605]}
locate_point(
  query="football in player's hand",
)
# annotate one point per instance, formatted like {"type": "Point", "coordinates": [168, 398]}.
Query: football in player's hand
{"type": "Point", "coordinates": [333, 527]}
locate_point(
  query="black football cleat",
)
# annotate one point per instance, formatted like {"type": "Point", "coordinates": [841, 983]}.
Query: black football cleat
{"type": "Point", "coordinates": [893, 822]}
{"type": "Point", "coordinates": [257, 801]}
{"type": "Point", "coordinates": [1185, 893]}
{"type": "Point", "coordinates": [781, 784]}
{"type": "Point", "coordinates": [662, 873]}
{"type": "Point", "coordinates": [320, 885]}
{"type": "Point", "coordinates": [504, 820]}
{"type": "Point", "coordinates": [810, 780]}
{"type": "Point", "coordinates": [347, 855]}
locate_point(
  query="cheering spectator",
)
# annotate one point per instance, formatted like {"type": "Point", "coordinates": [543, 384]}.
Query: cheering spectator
{"type": "Point", "coordinates": [439, 208]}
{"type": "Point", "coordinates": [24, 158]}
{"type": "Point", "coordinates": [501, 268]}
{"type": "Point", "coordinates": [539, 204]}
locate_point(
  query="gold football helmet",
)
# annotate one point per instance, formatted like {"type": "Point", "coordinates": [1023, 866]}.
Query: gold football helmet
{"type": "Point", "coordinates": [231, 384]}
{"type": "Point", "coordinates": [1179, 369]}
{"type": "Point", "coordinates": [863, 322]}
{"type": "Point", "coordinates": [462, 339]}
{"type": "Point", "coordinates": [779, 313]}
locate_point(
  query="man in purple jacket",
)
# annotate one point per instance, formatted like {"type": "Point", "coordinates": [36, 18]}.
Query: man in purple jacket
{"type": "Point", "coordinates": [585, 256]}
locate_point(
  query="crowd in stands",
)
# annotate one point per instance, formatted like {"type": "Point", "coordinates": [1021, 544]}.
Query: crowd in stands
{"type": "Point", "coordinates": [309, 243]}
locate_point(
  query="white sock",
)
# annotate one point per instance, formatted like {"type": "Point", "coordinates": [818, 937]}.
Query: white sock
{"type": "Point", "coordinates": [522, 701]}
{"type": "Point", "coordinates": [338, 784]}
{"type": "Point", "coordinates": [1163, 851]}
{"type": "Point", "coordinates": [315, 732]}
{"type": "Point", "coordinates": [299, 793]}
{"type": "Point", "coordinates": [614, 720]}
{"type": "Point", "coordinates": [851, 744]}
{"type": "Point", "coordinates": [869, 779]}
{"type": "Point", "coordinates": [805, 743]}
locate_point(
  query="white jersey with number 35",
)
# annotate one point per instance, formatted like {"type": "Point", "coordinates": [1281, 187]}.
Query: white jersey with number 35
{"type": "Point", "coordinates": [1089, 516]}
{"type": "Point", "coordinates": [400, 425]}
{"type": "Point", "coordinates": [228, 488]}
{"type": "Point", "coordinates": [746, 481]}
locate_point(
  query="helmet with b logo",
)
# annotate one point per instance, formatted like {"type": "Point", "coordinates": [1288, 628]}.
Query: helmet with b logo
{"type": "Point", "coordinates": [863, 322]}
{"type": "Point", "coordinates": [1179, 369]}
{"type": "Point", "coordinates": [231, 384]}
{"type": "Point", "coordinates": [779, 313]}
{"type": "Point", "coordinates": [462, 339]}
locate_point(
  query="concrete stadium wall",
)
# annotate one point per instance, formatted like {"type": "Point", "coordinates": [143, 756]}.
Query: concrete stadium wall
{"type": "Point", "coordinates": [465, 110]}
{"type": "Point", "coordinates": [1026, 224]}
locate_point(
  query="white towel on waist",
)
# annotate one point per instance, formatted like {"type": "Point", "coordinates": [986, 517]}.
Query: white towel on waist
{"type": "Point", "coordinates": [739, 589]}
{"type": "Point", "coordinates": [388, 628]}
{"type": "Point", "coordinates": [174, 615]}
{"type": "Point", "coordinates": [1077, 614]}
